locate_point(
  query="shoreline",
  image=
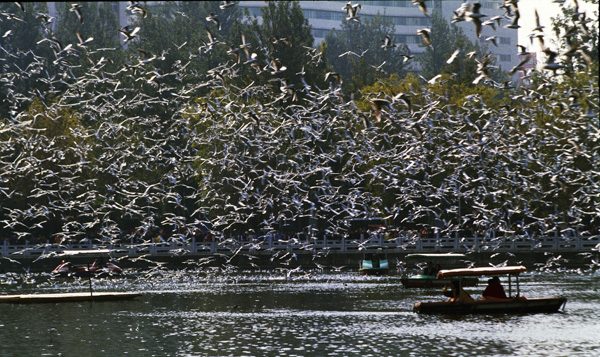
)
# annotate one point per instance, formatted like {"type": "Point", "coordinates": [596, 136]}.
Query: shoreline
{"type": "Point", "coordinates": [319, 260]}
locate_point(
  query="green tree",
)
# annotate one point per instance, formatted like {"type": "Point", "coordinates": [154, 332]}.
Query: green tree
{"type": "Point", "coordinates": [284, 36]}
{"type": "Point", "coordinates": [92, 38]}
{"type": "Point", "coordinates": [21, 57]}
{"type": "Point", "coordinates": [177, 31]}
{"type": "Point", "coordinates": [445, 40]}
{"type": "Point", "coordinates": [356, 52]}
{"type": "Point", "coordinates": [577, 35]}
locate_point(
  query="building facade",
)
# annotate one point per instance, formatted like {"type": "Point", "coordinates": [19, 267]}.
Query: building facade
{"type": "Point", "coordinates": [324, 16]}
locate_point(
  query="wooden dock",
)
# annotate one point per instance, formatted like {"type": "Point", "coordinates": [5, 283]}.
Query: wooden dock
{"type": "Point", "coordinates": [67, 297]}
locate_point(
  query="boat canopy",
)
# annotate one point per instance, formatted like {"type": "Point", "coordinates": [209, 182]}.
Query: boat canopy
{"type": "Point", "coordinates": [85, 252]}
{"type": "Point", "coordinates": [481, 271]}
{"type": "Point", "coordinates": [435, 255]}
{"type": "Point", "coordinates": [372, 247]}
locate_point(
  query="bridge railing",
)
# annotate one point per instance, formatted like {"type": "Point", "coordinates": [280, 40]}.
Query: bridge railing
{"type": "Point", "coordinates": [256, 246]}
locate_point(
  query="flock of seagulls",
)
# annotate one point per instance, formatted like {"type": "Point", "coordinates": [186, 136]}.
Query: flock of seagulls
{"type": "Point", "coordinates": [264, 158]}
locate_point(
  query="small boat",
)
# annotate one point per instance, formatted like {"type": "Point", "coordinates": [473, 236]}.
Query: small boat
{"type": "Point", "coordinates": [462, 303]}
{"type": "Point", "coordinates": [374, 261]}
{"type": "Point", "coordinates": [67, 297]}
{"type": "Point", "coordinates": [66, 269]}
{"type": "Point", "coordinates": [428, 277]}
{"type": "Point", "coordinates": [99, 268]}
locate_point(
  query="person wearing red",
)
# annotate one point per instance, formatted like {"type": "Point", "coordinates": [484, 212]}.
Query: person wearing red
{"type": "Point", "coordinates": [494, 289]}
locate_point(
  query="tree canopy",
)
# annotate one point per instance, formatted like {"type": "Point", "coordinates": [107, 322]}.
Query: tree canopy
{"type": "Point", "coordinates": [448, 41]}
{"type": "Point", "coordinates": [357, 52]}
{"type": "Point", "coordinates": [179, 132]}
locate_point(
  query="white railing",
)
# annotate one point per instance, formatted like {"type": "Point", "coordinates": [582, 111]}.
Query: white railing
{"type": "Point", "coordinates": [399, 245]}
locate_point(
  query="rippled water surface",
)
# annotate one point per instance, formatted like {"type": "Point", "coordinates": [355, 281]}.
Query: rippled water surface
{"type": "Point", "coordinates": [270, 314]}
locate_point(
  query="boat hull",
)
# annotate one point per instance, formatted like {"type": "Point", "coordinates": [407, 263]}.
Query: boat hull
{"type": "Point", "coordinates": [67, 297]}
{"type": "Point", "coordinates": [87, 274]}
{"type": "Point", "coordinates": [374, 267]}
{"type": "Point", "coordinates": [517, 306]}
{"type": "Point", "coordinates": [67, 270]}
{"type": "Point", "coordinates": [433, 282]}
{"type": "Point", "coordinates": [374, 271]}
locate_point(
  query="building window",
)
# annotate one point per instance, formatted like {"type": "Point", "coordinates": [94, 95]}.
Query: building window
{"type": "Point", "coordinates": [324, 15]}
{"type": "Point", "coordinates": [319, 33]}
{"type": "Point", "coordinates": [399, 20]}
{"type": "Point", "coordinates": [416, 39]}
{"type": "Point", "coordinates": [505, 40]}
{"type": "Point", "coordinates": [410, 21]}
{"type": "Point", "coordinates": [309, 14]}
{"type": "Point", "coordinates": [407, 39]}
{"type": "Point", "coordinates": [505, 58]}
{"type": "Point", "coordinates": [401, 3]}
{"type": "Point", "coordinates": [418, 21]}
{"type": "Point", "coordinates": [490, 5]}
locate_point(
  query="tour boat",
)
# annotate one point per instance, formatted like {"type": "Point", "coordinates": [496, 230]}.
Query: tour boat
{"type": "Point", "coordinates": [374, 261]}
{"type": "Point", "coordinates": [99, 268]}
{"type": "Point", "coordinates": [428, 277]}
{"type": "Point", "coordinates": [462, 303]}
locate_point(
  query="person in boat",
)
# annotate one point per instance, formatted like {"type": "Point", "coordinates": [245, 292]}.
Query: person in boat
{"type": "Point", "coordinates": [429, 269]}
{"type": "Point", "coordinates": [458, 293]}
{"type": "Point", "coordinates": [101, 262]}
{"type": "Point", "coordinates": [494, 290]}
{"type": "Point", "coordinates": [375, 260]}
{"type": "Point", "coordinates": [67, 265]}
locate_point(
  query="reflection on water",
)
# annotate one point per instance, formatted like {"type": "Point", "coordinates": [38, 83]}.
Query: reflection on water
{"type": "Point", "coordinates": [190, 313]}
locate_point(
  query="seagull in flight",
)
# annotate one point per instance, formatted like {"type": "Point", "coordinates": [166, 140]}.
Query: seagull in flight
{"type": "Point", "coordinates": [129, 34]}
{"type": "Point", "coordinates": [76, 8]}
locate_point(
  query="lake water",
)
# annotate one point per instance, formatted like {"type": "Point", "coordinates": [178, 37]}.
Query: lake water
{"type": "Point", "coordinates": [271, 314]}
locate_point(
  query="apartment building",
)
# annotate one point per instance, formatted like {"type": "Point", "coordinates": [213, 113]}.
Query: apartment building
{"type": "Point", "coordinates": [324, 16]}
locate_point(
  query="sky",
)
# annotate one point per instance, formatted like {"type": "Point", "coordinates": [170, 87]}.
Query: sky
{"type": "Point", "coordinates": [546, 9]}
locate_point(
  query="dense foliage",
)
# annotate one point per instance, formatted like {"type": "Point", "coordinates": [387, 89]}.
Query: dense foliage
{"type": "Point", "coordinates": [174, 132]}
